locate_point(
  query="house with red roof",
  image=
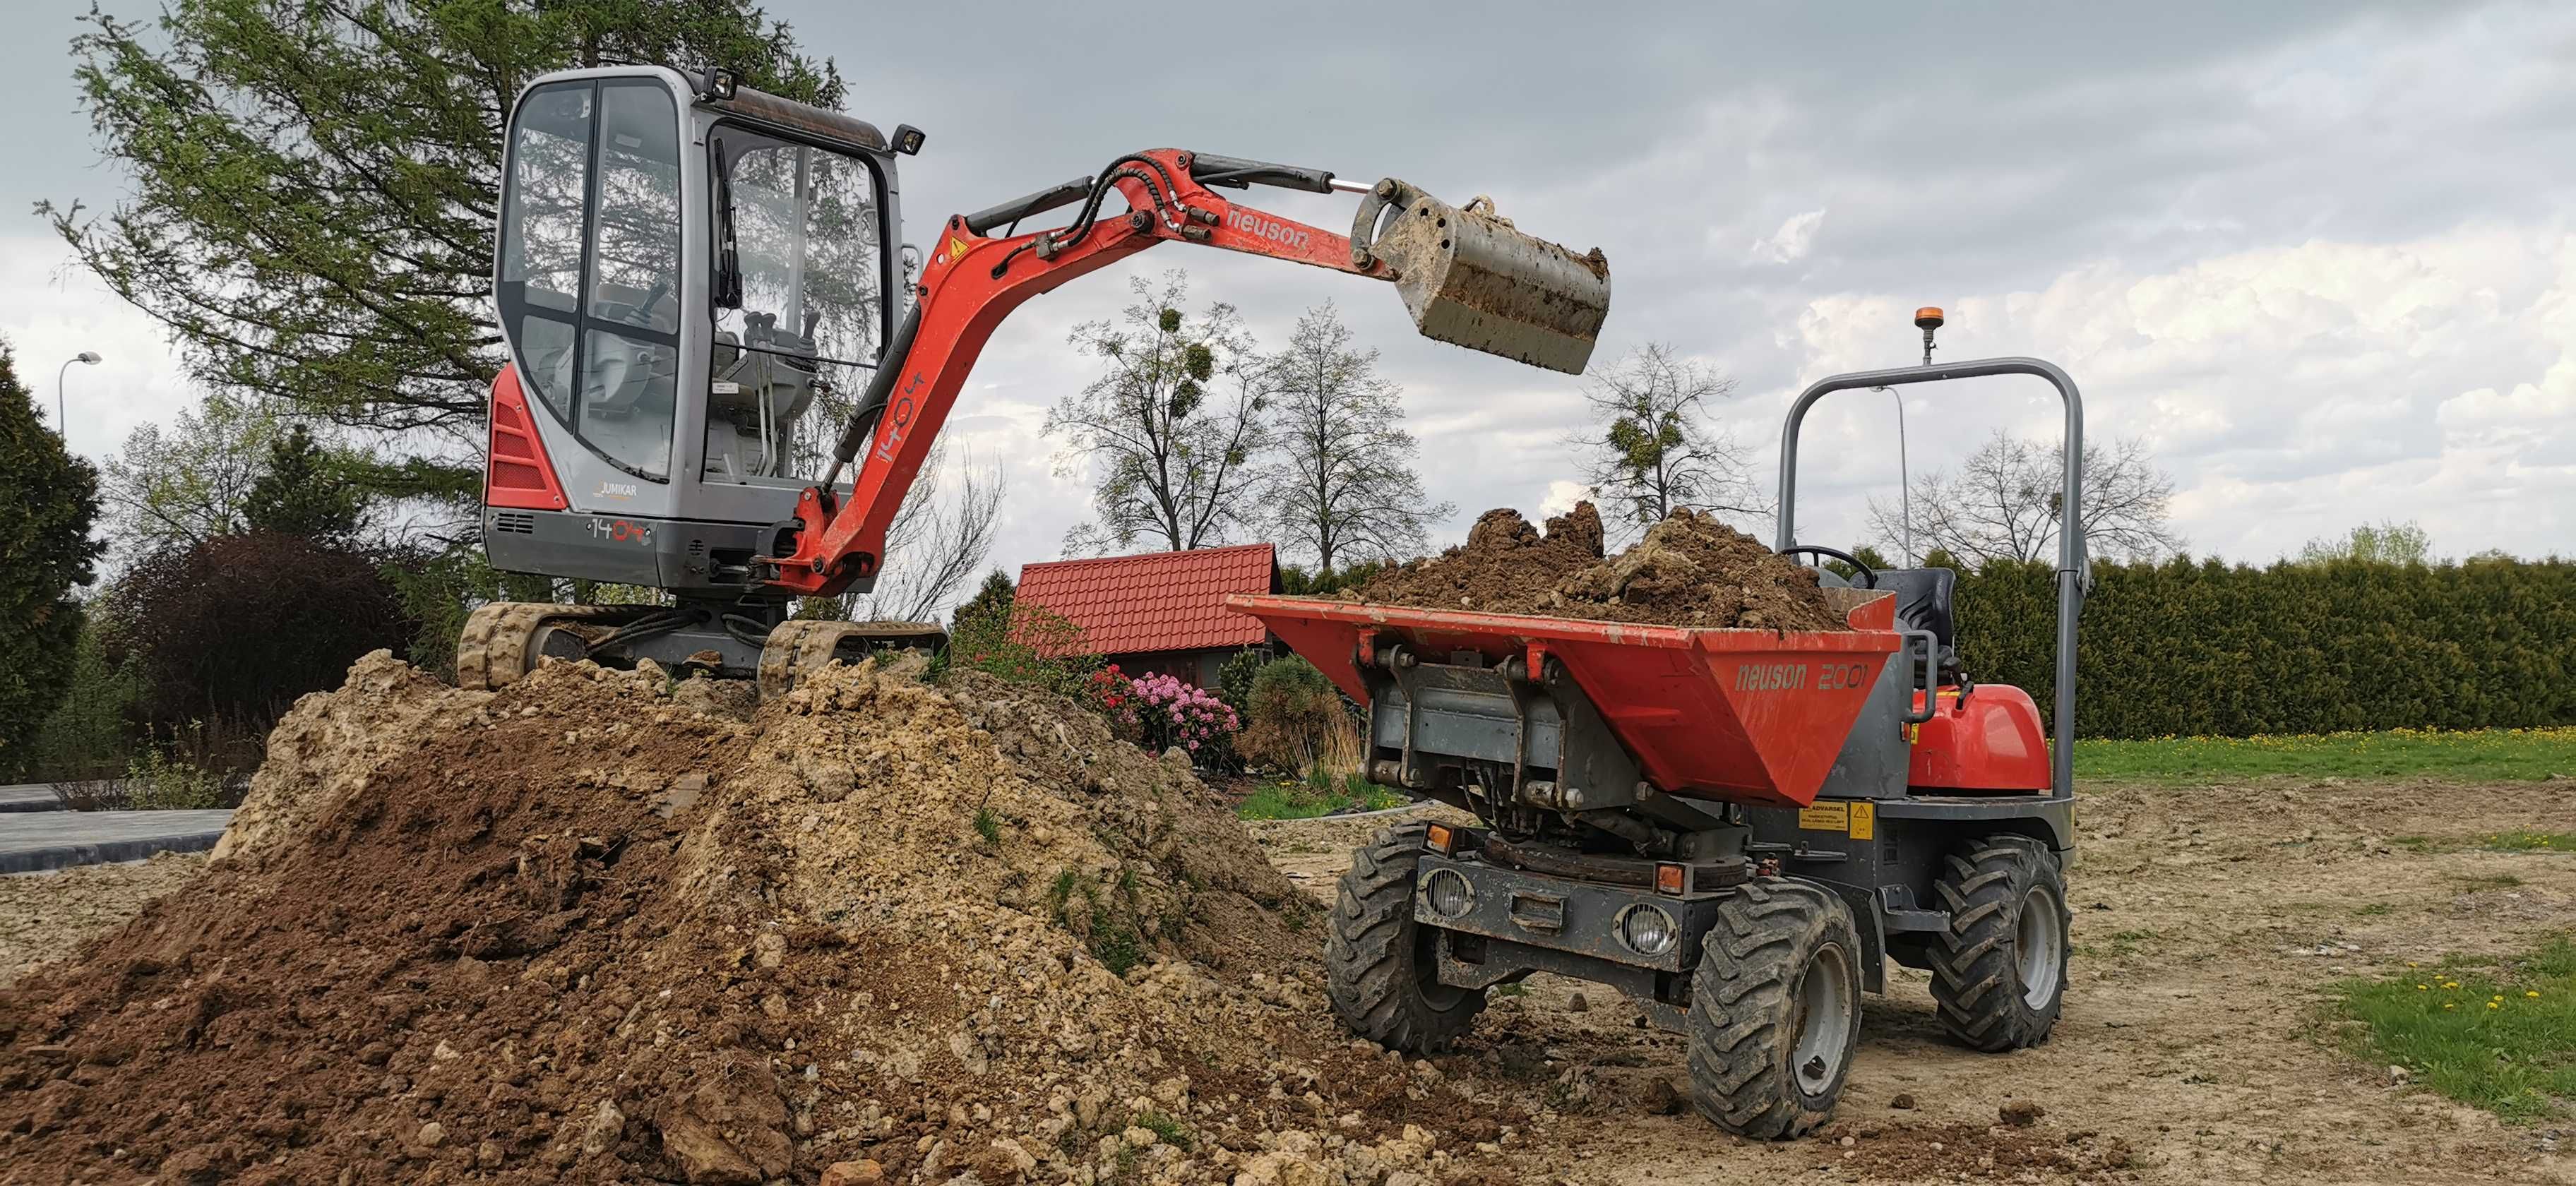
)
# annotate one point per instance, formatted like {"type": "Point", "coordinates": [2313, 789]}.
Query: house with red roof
{"type": "Point", "coordinates": [1160, 613]}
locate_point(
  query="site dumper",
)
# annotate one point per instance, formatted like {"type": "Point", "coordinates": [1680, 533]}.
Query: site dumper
{"type": "Point", "coordinates": [1735, 828]}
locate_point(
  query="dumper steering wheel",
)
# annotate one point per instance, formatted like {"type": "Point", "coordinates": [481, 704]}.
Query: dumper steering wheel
{"type": "Point", "coordinates": [1867, 573]}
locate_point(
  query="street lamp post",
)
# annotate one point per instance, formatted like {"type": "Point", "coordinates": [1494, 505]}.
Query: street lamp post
{"type": "Point", "coordinates": [86, 356]}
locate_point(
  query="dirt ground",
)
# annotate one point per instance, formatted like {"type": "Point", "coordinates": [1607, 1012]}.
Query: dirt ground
{"type": "Point", "coordinates": [2208, 922]}
{"type": "Point", "coordinates": [43, 916]}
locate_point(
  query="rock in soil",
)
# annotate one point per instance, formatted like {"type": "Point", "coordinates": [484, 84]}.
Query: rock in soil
{"type": "Point", "coordinates": [1689, 570]}
{"type": "Point", "coordinates": [2020, 1113]}
{"type": "Point", "coordinates": [575, 931]}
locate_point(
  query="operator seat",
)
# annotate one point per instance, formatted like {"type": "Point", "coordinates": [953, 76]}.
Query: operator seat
{"type": "Point", "coordinates": [1923, 597]}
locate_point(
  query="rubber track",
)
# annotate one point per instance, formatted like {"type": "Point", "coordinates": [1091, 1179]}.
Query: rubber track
{"type": "Point", "coordinates": [799, 647]}
{"type": "Point", "coordinates": [1368, 960]}
{"type": "Point", "coordinates": [1973, 973]}
{"type": "Point", "coordinates": [492, 652]}
{"type": "Point", "coordinates": [1740, 1003]}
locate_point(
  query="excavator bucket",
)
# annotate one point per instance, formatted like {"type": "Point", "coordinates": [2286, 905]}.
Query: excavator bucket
{"type": "Point", "coordinates": [1470, 279]}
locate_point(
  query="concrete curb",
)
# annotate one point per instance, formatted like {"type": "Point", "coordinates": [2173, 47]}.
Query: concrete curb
{"type": "Point", "coordinates": [29, 797]}
{"type": "Point", "coordinates": [34, 843]}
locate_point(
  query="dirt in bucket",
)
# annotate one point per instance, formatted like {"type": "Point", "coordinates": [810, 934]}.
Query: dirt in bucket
{"type": "Point", "coordinates": [596, 928]}
{"type": "Point", "coordinates": [1689, 570]}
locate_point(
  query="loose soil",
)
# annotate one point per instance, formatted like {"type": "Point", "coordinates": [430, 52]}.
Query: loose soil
{"type": "Point", "coordinates": [1689, 570]}
{"type": "Point", "coordinates": [309, 1006]}
{"type": "Point", "coordinates": [589, 930]}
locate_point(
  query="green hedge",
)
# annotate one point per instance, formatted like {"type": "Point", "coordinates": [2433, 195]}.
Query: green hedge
{"type": "Point", "coordinates": [2205, 648]}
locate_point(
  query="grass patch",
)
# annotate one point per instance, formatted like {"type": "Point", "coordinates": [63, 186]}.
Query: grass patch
{"type": "Point", "coordinates": [2485, 881]}
{"type": "Point", "coordinates": [2523, 840]}
{"type": "Point", "coordinates": [1110, 935]}
{"type": "Point", "coordinates": [2498, 754]}
{"type": "Point", "coordinates": [988, 825]}
{"type": "Point", "coordinates": [1167, 1130]}
{"type": "Point", "coordinates": [2499, 1036]}
{"type": "Point", "coordinates": [1300, 800]}
{"type": "Point", "coordinates": [2375, 910]}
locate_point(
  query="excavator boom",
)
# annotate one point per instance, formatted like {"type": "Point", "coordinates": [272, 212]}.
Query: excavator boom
{"type": "Point", "coordinates": [1467, 276]}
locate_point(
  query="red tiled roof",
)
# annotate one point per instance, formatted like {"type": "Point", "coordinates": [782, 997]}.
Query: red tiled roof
{"type": "Point", "coordinates": [1160, 601]}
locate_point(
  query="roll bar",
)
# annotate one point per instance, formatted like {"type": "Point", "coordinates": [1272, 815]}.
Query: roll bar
{"type": "Point", "coordinates": [2072, 564]}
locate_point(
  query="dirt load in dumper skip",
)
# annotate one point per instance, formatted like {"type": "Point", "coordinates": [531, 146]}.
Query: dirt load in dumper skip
{"type": "Point", "coordinates": [598, 927]}
{"type": "Point", "coordinates": [1689, 570]}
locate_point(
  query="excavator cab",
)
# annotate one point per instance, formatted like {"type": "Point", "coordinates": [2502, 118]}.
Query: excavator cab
{"type": "Point", "coordinates": [692, 278]}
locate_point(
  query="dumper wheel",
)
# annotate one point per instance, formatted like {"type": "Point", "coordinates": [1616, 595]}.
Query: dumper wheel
{"type": "Point", "coordinates": [1380, 965]}
{"type": "Point", "coordinates": [1775, 1010]}
{"type": "Point", "coordinates": [1999, 972]}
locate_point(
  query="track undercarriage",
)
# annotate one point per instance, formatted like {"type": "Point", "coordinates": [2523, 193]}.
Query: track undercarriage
{"type": "Point", "coordinates": [734, 639]}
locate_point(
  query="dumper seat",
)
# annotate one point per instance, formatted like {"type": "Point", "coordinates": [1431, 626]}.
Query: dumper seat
{"type": "Point", "coordinates": [1923, 597]}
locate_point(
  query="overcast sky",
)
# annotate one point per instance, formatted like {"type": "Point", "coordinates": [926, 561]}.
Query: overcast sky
{"type": "Point", "coordinates": [2317, 256]}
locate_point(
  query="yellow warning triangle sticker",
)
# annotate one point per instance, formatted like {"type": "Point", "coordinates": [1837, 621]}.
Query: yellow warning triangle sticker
{"type": "Point", "coordinates": [956, 247]}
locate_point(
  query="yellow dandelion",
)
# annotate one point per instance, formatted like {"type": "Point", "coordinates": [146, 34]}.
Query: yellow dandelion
{"type": "Point", "coordinates": [2450, 1004]}
{"type": "Point", "coordinates": [2420, 988]}
{"type": "Point", "coordinates": [2531, 992]}
{"type": "Point", "coordinates": [2495, 1004]}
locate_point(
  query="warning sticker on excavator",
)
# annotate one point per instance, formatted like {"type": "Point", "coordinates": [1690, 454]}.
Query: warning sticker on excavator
{"type": "Point", "coordinates": [1864, 821]}
{"type": "Point", "coordinates": [956, 247]}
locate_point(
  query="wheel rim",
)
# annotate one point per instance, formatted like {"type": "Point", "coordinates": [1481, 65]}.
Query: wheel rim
{"type": "Point", "coordinates": [1824, 1021]}
{"type": "Point", "coordinates": [2037, 941]}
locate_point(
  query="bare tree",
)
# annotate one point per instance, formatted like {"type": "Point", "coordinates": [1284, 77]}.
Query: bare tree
{"type": "Point", "coordinates": [939, 537]}
{"type": "Point", "coordinates": [1344, 487]}
{"type": "Point", "coordinates": [2003, 503]}
{"type": "Point", "coordinates": [1168, 433]}
{"type": "Point", "coordinates": [1651, 450]}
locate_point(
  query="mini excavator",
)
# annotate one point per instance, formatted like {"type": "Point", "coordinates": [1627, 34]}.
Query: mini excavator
{"type": "Point", "coordinates": [696, 280]}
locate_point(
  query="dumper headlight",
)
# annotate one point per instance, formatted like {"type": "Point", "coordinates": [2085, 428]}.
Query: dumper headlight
{"type": "Point", "coordinates": [1447, 892]}
{"type": "Point", "coordinates": [1647, 930]}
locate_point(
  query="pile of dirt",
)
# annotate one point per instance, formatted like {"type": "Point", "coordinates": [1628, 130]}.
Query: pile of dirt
{"type": "Point", "coordinates": [1689, 570]}
{"type": "Point", "coordinates": [591, 928]}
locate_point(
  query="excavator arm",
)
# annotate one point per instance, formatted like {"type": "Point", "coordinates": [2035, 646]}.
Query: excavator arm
{"type": "Point", "coordinates": [1467, 276]}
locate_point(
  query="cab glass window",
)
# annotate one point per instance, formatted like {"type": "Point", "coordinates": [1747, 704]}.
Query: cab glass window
{"type": "Point", "coordinates": [799, 298]}
{"type": "Point", "coordinates": [590, 263]}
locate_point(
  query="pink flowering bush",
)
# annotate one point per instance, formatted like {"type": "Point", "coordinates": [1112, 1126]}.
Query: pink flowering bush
{"type": "Point", "coordinates": [1162, 711]}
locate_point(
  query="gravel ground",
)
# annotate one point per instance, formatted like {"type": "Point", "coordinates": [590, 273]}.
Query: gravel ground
{"type": "Point", "coordinates": [43, 916]}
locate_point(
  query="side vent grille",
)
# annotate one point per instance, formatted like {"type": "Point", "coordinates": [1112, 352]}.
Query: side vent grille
{"type": "Point", "coordinates": [514, 522]}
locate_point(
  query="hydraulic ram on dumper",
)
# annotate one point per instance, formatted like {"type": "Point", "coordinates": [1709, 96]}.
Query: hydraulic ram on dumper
{"type": "Point", "coordinates": [1735, 828]}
